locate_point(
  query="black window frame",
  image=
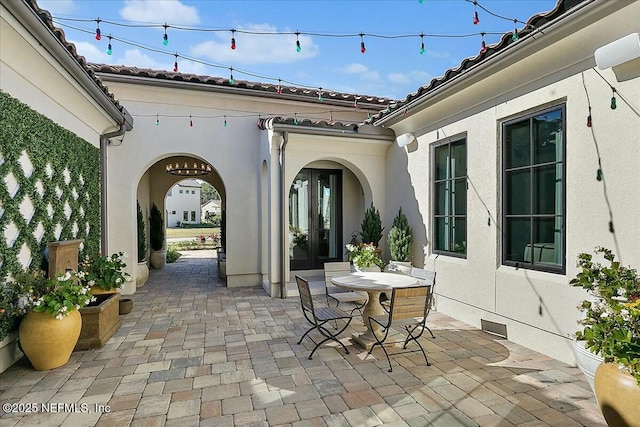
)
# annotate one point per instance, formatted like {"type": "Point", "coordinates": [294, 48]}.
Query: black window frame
{"type": "Point", "coordinates": [449, 142]}
{"type": "Point", "coordinates": [532, 265]}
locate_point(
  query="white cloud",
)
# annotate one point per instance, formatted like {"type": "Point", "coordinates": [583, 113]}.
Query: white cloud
{"type": "Point", "coordinates": [57, 7]}
{"type": "Point", "coordinates": [135, 57]}
{"type": "Point", "coordinates": [361, 72]}
{"type": "Point", "coordinates": [255, 48]}
{"type": "Point", "coordinates": [172, 11]}
{"type": "Point", "coordinates": [91, 52]}
{"type": "Point", "coordinates": [399, 78]}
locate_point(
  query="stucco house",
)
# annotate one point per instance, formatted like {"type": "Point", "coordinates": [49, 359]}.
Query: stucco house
{"type": "Point", "coordinates": [212, 207]}
{"type": "Point", "coordinates": [182, 204]}
{"type": "Point", "coordinates": [507, 166]}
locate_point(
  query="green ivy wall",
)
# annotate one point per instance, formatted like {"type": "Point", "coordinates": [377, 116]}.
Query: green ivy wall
{"type": "Point", "coordinates": [49, 187]}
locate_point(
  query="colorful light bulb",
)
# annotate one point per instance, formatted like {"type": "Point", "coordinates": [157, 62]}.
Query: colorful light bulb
{"type": "Point", "coordinates": [476, 18]}
{"type": "Point", "coordinates": [320, 95]}
{"type": "Point", "coordinates": [515, 36]}
{"type": "Point", "coordinates": [421, 44]}
{"type": "Point", "coordinates": [363, 49]}
{"type": "Point", "coordinates": [231, 77]}
{"type": "Point", "coordinates": [295, 118]}
{"type": "Point", "coordinates": [599, 174]}
{"type": "Point", "coordinates": [225, 122]}
{"type": "Point", "coordinates": [190, 122]}
{"type": "Point", "coordinates": [589, 121]}
{"type": "Point", "coordinates": [175, 64]}
{"type": "Point", "coordinates": [298, 47]}
{"type": "Point", "coordinates": [233, 40]}
{"type": "Point", "coordinates": [165, 37]}
{"type": "Point", "coordinates": [279, 87]}
{"type": "Point", "coordinates": [109, 50]}
{"type": "Point", "coordinates": [98, 34]}
{"type": "Point", "coordinates": [613, 100]}
{"type": "Point", "coordinates": [157, 120]}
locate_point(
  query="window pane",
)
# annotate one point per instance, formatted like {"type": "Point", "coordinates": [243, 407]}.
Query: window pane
{"type": "Point", "coordinates": [441, 202]}
{"type": "Point", "coordinates": [518, 201]}
{"type": "Point", "coordinates": [460, 236]}
{"type": "Point", "coordinates": [547, 135]}
{"type": "Point", "coordinates": [459, 197]}
{"type": "Point", "coordinates": [547, 189]}
{"type": "Point", "coordinates": [458, 159]}
{"type": "Point", "coordinates": [441, 234]}
{"type": "Point", "coordinates": [548, 241]}
{"type": "Point", "coordinates": [442, 162]}
{"type": "Point", "coordinates": [517, 239]}
{"type": "Point", "coordinates": [518, 148]}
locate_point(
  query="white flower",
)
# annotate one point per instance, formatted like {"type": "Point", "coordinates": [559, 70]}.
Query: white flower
{"type": "Point", "coordinates": [625, 314]}
{"type": "Point", "coordinates": [125, 255]}
{"type": "Point", "coordinates": [93, 299]}
{"type": "Point", "coordinates": [84, 290]}
{"type": "Point", "coordinates": [91, 282]}
{"type": "Point", "coordinates": [81, 275]}
{"type": "Point", "coordinates": [59, 316]}
{"type": "Point", "coordinates": [621, 299]}
{"type": "Point", "coordinates": [351, 248]}
{"type": "Point", "coordinates": [38, 302]}
{"type": "Point", "coordinates": [622, 292]}
{"type": "Point", "coordinates": [77, 307]}
{"type": "Point", "coordinates": [118, 281]}
{"type": "Point", "coordinates": [604, 315]}
{"type": "Point", "coordinates": [23, 302]}
{"type": "Point", "coordinates": [63, 309]}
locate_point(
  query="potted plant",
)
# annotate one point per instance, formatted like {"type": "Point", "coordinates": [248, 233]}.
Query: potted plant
{"type": "Point", "coordinates": [371, 226]}
{"type": "Point", "coordinates": [51, 327]}
{"type": "Point", "coordinates": [612, 330]}
{"type": "Point", "coordinates": [142, 273]}
{"type": "Point", "coordinates": [105, 274]}
{"type": "Point", "coordinates": [400, 241]}
{"type": "Point", "coordinates": [364, 257]}
{"type": "Point", "coordinates": [156, 234]}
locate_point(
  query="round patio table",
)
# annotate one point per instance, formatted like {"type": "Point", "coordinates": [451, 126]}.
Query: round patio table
{"type": "Point", "coordinates": [373, 283]}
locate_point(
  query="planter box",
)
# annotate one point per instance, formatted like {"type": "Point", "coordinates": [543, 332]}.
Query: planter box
{"type": "Point", "coordinates": [99, 322]}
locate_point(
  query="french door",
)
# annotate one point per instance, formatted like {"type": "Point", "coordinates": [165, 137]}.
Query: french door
{"type": "Point", "coordinates": [315, 218]}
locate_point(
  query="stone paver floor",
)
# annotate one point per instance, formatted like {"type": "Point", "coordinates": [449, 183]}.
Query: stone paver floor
{"type": "Point", "coordinates": [193, 352]}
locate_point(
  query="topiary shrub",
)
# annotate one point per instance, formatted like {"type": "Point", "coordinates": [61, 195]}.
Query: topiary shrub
{"type": "Point", "coordinates": [156, 228]}
{"type": "Point", "coordinates": [400, 238]}
{"type": "Point", "coordinates": [371, 226]}
{"type": "Point", "coordinates": [142, 236]}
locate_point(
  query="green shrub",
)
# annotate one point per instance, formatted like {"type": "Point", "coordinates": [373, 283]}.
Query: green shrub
{"type": "Point", "coordinates": [400, 238]}
{"type": "Point", "coordinates": [142, 236]}
{"type": "Point", "coordinates": [371, 226]}
{"type": "Point", "coordinates": [172, 254]}
{"type": "Point", "coordinates": [156, 228]}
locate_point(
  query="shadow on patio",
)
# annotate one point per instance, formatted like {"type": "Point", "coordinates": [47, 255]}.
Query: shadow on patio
{"type": "Point", "coordinates": [193, 352]}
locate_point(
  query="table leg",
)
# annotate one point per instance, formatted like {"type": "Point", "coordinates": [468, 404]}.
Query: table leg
{"type": "Point", "coordinates": [372, 308]}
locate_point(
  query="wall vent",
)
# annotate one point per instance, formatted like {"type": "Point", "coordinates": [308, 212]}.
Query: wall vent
{"type": "Point", "coordinates": [494, 328]}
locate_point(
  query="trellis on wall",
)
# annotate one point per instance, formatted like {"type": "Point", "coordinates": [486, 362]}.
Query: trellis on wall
{"type": "Point", "coordinates": [49, 187]}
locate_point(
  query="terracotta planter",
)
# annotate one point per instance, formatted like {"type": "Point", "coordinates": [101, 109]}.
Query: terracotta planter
{"type": "Point", "coordinates": [618, 396]}
{"type": "Point", "coordinates": [142, 274]}
{"type": "Point", "coordinates": [157, 259]}
{"type": "Point", "coordinates": [47, 341]}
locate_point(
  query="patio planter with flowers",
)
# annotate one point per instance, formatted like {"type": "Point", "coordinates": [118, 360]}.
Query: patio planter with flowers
{"type": "Point", "coordinates": [101, 319]}
{"type": "Point", "coordinates": [364, 257]}
{"type": "Point", "coordinates": [49, 331]}
{"type": "Point", "coordinates": [612, 330]}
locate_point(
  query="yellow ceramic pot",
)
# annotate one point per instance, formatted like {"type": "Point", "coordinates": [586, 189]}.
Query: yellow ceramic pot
{"type": "Point", "coordinates": [47, 341]}
{"type": "Point", "coordinates": [618, 395]}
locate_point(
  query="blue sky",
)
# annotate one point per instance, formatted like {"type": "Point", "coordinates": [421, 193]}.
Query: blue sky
{"type": "Point", "coordinates": [390, 67]}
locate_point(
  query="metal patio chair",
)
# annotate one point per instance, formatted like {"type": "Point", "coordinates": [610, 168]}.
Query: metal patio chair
{"type": "Point", "coordinates": [407, 313]}
{"type": "Point", "coordinates": [337, 294]}
{"type": "Point", "coordinates": [319, 316]}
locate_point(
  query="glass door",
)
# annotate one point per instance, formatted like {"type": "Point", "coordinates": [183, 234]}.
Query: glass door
{"type": "Point", "coordinates": [315, 213]}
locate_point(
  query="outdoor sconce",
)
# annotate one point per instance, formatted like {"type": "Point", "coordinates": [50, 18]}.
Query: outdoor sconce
{"type": "Point", "coordinates": [618, 52]}
{"type": "Point", "coordinates": [405, 139]}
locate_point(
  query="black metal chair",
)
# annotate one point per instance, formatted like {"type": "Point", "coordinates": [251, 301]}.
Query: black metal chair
{"type": "Point", "coordinates": [338, 295]}
{"type": "Point", "coordinates": [408, 312]}
{"type": "Point", "coordinates": [319, 316]}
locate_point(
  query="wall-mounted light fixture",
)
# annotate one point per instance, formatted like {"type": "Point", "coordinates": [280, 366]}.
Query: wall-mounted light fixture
{"type": "Point", "coordinates": [405, 139]}
{"type": "Point", "coordinates": [618, 52]}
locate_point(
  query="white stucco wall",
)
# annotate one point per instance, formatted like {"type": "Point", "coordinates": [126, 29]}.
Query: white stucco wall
{"type": "Point", "coordinates": [538, 308]}
{"type": "Point", "coordinates": [188, 200]}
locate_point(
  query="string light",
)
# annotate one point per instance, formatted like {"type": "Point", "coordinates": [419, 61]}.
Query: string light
{"type": "Point", "coordinates": [298, 47]}
{"type": "Point", "coordinates": [231, 76]}
{"type": "Point", "coordinates": [320, 95]}
{"type": "Point", "coordinates": [279, 87]}
{"type": "Point", "coordinates": [355, 101]}
{"type": "Point", "coordinates": [165, 38]}
{"type": "Point", "coordinates": [421, 43]}
{"type": "Point", "coordinates": [476, 18]}
{"type": "Point", "coordinates": [363, 49]}
{"type": "Point", "coordinates": [599, 174]}
{"type": "Point", "coordinates": [109, 51]}
{"type": "Point", "coordinates": [225, 122]}
{"type": "Point", "coordinates": [175, 64]}
{"type": "Point", "coordinates": [190, 122]}
{"type": "Point", "coordinates": [613, 98]}
{"type": "Point", "coordinates": [515, 36]}
{"type": "Point", "coordinates": [98, 34]}
{"type": "Point", "coordinates": [589, 118]}
{"type": "Point", "coordinates": [483, 46]}
{"type": "Point", "coordinates": [295, 118]}
{"type": "Point", "coordinates": [157, 120]}
{"type": "Point", "coordinates": [331, 117]}
{"type": "Point", "coordinates": [233, 39]}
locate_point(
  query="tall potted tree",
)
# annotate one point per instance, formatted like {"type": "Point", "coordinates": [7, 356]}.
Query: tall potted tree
{"type": "Point", "coordinates": [371, 226]}
{"type": "Point", "coordinates": [156, 233]}
{"type": "Point", "coordinates": [400, 240]}
{"type": "Point", "coordinates": [143, 269]}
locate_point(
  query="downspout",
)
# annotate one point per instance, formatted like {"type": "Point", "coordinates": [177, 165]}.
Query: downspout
{"type": "Point", "coordinates": [104, 143]}
{"type": "Point", "coordinates": [283, 206]}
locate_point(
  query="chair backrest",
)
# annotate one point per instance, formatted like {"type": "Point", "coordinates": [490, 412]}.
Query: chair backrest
{"type": "Point", "coordinates": [410, 302]}
{"type": "Point", "coordinates": [305, 295]}
{"type": "Point", "coordinates": [335, 269]}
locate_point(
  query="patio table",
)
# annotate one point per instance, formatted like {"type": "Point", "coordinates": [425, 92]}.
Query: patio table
{"type": "Point", "coordinates": [373, 283]}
